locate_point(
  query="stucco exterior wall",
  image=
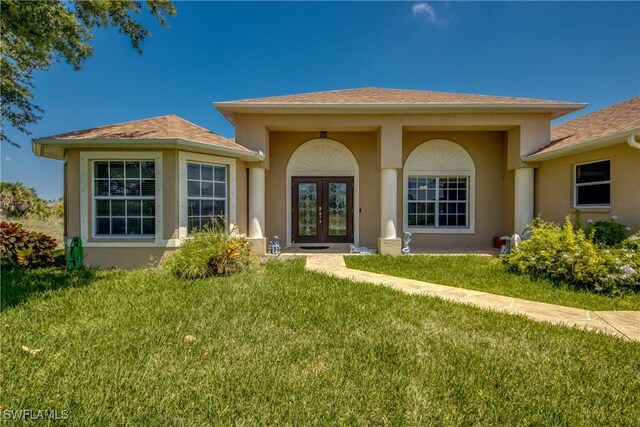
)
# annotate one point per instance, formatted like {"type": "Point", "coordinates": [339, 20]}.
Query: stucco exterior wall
{"type": "Point", "coordinates": [126, 258]}
{"type": "Point", "coordinates": [241, 196]}
{"type": "Point", "coordinates": [492, 209]}
{"type": "Point", "coordinates": [130, 256]}
{"type": "Point", "coordinates": [554, 186]}
{"type": "Point", "coordinates": [363, 147]}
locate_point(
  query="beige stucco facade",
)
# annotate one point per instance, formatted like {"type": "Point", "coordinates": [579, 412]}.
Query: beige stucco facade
{"type": "Point", "coordinates": [495, 142]}
{"type": "Point", "coordinates": [555, 186]}
{"type": "Point", "coordinates": [376, 149]}
{"type": "Point", "coordinates": [137, 252]}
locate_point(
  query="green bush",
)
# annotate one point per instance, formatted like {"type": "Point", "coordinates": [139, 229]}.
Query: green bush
{"type": "Point", "coordinates": [25, 248]}
{"type": "Point", "coordinates": [210, 253]}
{"type": "Point", "coordinates": [567, 254]}
{"type": "Point", "coordinates": [608, 233]}
{"type": "Point", "coordinates": [632, 242]}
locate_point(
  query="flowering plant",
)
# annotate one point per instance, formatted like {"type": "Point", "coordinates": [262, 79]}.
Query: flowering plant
{"type": "Point", "coordinates": [565, 254]}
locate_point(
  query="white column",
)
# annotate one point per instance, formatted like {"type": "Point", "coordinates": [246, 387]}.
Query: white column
{"type": "Point", "coordinates": [523, 206]}
{"type": "Point", "coordinates": [256, 203]}
{"type": "Point", "coordinates": [388, 202]}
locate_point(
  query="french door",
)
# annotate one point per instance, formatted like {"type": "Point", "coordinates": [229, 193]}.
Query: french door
{"type": "Point", "coordinates": [322, 210]}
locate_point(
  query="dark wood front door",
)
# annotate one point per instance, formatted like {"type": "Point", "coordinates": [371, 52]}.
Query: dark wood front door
{"type": "Point", "coordinates": [322, 210]}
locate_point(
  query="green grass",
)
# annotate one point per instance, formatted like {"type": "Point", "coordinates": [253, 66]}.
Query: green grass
{"type": "Point", "coordinates": [487, 274]}
{"type": "Point", "coordinates": [284, 346]}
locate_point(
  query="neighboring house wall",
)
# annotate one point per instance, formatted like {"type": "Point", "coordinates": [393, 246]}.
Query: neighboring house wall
{"type": "Point", "coordinates": [555, 186]}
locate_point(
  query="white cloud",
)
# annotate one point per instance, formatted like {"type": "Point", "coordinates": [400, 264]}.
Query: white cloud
{"type": "Point", "coordinates": [425, 9]}
{"type": "Point", "coordinates": [7, 158]}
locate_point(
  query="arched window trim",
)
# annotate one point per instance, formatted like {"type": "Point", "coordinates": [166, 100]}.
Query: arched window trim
{"type": "Point", "coordinates": [445, 159]}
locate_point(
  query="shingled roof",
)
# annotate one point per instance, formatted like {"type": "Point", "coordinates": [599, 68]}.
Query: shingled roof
{"type": "Point", "coordinates": [373, 100]}
{"type": "Point", "coordinates": [619, 119]}
{"type": "Point", "coordinates": [375, 95]}
{"type": "Point", "coordinates": [155, 128]}
{"type": "Point", "coordinates": [156, 132]}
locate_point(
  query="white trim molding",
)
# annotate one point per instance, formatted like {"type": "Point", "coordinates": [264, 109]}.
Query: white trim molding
{"type": "Point", "coordinates": [324, 157]}
{"type": "Point", "coordinates": [183, 158]}
{"type": "Point", "coordinates": [440, 158]}
{"type": "Point", "coordinates": [86, 197]}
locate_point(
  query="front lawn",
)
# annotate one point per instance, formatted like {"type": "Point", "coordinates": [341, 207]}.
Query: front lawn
{"type": "Point", "coordinates": [286, 346]}
{"type": "Point", "coordinates": [487, 274]}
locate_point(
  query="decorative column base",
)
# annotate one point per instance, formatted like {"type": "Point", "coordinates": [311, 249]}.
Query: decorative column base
{"type": "Point", "coordinates": [258, 245]}
{"type": "Point", "coordinates": [389, 246]}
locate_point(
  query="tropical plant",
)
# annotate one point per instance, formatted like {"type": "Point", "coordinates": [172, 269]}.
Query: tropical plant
{"type": "Point", "coordinates": [25, 248]}
{"type": "Point", "coordinates": [210, 252]}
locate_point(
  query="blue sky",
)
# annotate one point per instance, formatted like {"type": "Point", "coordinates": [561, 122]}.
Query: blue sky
{"type": "Point", "coordinates": [573, 51]}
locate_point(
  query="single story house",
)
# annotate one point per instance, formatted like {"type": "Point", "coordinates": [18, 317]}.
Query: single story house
{"type": "Point", "coordinates": [357, 166]}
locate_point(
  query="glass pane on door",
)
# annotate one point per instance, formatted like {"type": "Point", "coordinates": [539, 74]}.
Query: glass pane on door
{"type": "Point", "coordinates": [307, 209]}
{"type": "Point", "coordinates": [337, 209]}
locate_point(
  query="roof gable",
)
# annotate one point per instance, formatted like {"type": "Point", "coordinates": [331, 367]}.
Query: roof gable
{"type": "Point", "coordinates": [374, 95]}
{"type": "Point", "coordinates": [155, 128]}
{"type": "Point", "coordinates": [617, 119]}
{"type": "Point", "coordinates": [371, 100]}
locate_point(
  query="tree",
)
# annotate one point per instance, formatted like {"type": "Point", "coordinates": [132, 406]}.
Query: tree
{"type": "Point", "coordinates": [16, 200]}
{"type": "Point", "coordinates": [37, 34]}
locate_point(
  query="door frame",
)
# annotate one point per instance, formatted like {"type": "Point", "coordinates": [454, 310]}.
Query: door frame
{"type": "Point", "coordinates": [323, 157]}
{"type": "Point", "coordinates": [322, 207]}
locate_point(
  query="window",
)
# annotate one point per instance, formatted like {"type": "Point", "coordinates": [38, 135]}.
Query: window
{"type": "Point", "coordinates": [206, 195]}
{"type": "Point", "coordinates": [593, 184]}
{"type": "Point", "coordinates": [124, 198]}
{"type": "Point", "coordinates": [437, 201]}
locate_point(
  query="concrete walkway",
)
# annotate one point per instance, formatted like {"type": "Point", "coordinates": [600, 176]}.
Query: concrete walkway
{"type": "Point", "coordinates": [624, 324]}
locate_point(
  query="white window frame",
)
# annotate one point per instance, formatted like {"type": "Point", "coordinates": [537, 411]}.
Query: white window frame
{"type": "Point", "coordinates": [437, 202]}
{"type": "Point", "coordinates": [184, 158]}
{"type": "Point", "coordinates": [213, 198]}
{"type": "Point", "coordinates": [440, 158]}
{"type": "Point", "coordinates": [576, 185]}
{"type": "Point", "coordinates": [95, 198]}
{"type": "Point", "coordinates": [87, 197]}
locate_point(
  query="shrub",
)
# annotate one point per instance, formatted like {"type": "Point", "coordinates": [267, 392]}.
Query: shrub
{"type": "Point", "coordinates": [25, 248]}
{"type": "Point", "coordinates": [566, 254]}
{"type": "Point", "coordinates": [608, 233]}
{"type": "Point", "coordinates": [632, 242]}
{"type": "Point", "coordinates": [210, 253]}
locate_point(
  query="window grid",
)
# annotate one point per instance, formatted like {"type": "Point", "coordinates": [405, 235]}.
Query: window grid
{"type": "Point", "coordinates": [437, 202]}
{"type": "Point", "coordinates": [124, 198]}
{"type": "Point", "coordinates": [206, 195]}
{"type": "Point", "coordinates": [593, 184]}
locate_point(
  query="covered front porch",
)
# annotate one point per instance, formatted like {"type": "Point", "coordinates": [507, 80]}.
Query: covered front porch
{"type": "Point", "coordinates": [365, 187]}
{"type": "Point", "coordinates": [446, 167]}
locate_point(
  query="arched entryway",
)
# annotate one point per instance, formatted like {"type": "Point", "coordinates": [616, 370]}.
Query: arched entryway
{"type": "Point", "coordinates": [322, 193]}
